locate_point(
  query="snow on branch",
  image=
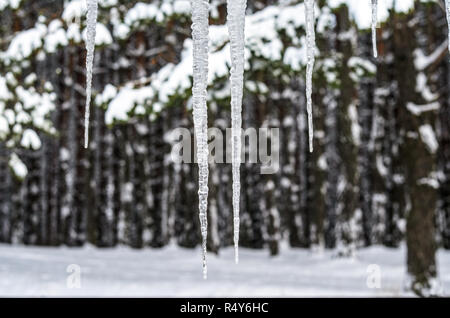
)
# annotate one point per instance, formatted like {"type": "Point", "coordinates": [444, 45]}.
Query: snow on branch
{"type": "Point", "coordinates": [422, 62]}
{"type": "Point", "coordinates": [419, 109]}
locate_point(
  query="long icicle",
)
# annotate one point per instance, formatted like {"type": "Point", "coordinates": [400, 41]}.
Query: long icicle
{"type": "Point", "coordinates": [200, 29]}
{"type": "Point", "coordinates": [92, 11]}
{"type": "Point", "coordinates": [374, 27]}
{"type": "Point", "coordinates": [236, 28]}
{"type": "Point", "coordinates": [447, 9]}
{"type": "Point", "coordinates": [310, 48]}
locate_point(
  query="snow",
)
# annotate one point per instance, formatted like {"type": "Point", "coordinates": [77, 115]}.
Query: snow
{"type": "Point", "coordinates": [13, 4]}
{"type": "Point", "coordinates": [150, 11]}
{"type": "Point", "coordinates": [55, 35]}
{"type": "Point", "coordinates": [382, 169]}
{"type": "Point", "coordinates": [181, 6]}
{"type": "Point", "coordinates": [25, 43]}
{"type": "Point", "coordinates": [429, 181]}
{"type": "Point", "coordinates": [4, 91]}
{"type": "Point", "coordinates": [4, 127]}
{"type": "Point", "coordinates": [31, 110]}
{"type": "Point", "coordinates": [102, 35]}
{"type": "Point", "coordinates": [74, 10]}
{"type": "Point", "coordinates": [173, 272]}
{"type": "Point", "coordinates": [200, 31]}
{"type": "Point", "coordinates": [359, 67]}
{"type": "Point", "coordinates": [355, 127]}
{"type": "Point", "coordinates": [322, 163]}
{"type": "Point", "coordinates": [236, 29]}
{"type": "Point", "coordinates": [422, 62]}
{"type": "Point", "coordinates": [38, 105]}
{"type": "Point", "coordinates": [142, 12]}
{"type": "Point", "coordinates": [124, 101]}
{"type": "Point", "coordinates": [292, 57]}
{"type": "Point", "coordinates": [74, 33]}
{"type": "Point", "coordinates": [163, 84]}
{"type": "Point", "coordinates": [261, 37]}
{"type": "Point", "coordinates": [423, 89]}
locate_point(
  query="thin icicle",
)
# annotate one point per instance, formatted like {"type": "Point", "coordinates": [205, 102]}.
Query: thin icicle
{"type": "Point", "coordinates": [447, 8]}
{"type": "Point", "coordinates": [92, 11]}
{"type": "Point", "coordinates": [374, 27]}
{"type": "Point", "coordinates": [310, 47]}
{"type": "Point", "coordinates": [200, 26]}
{"type": "Point", "coordinates": [236, 27]}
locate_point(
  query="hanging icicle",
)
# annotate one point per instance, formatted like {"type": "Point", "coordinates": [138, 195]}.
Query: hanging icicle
{"type": "Point", "coordinates": [447, 9]}
{"type": "Point", "coordinates": [92, 11]}
{"type": "Point", "coordinates": [200, 26]}
{"type": "Point", "coordinates": [236, 28]}
{"type": "Point", "coordinates": [374, 27]}
{"type": "Point", "coordinates": [310, 47]}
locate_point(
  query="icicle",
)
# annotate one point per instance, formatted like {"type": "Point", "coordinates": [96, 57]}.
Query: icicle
{"type": "Point", "coordinates": [236, 27]}
{"type": "Point", "coordinates": [310, 47]}
{"type": "Point", "coordinates": [200, 26]}
{"type": "Point", "coordinates": [92, 10]}
{"type": "Point", "coordinates": [447, 8]}
{"type": "Point", "coordinates": [374, 27]}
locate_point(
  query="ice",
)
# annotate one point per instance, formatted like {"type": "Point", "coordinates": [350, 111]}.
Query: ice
{"type": "Point", "coordinates": [310, 47]}
{"type": "Point", "coordinates": [30, 139]}
{"type": "Point", "coordinates": [422, 61]}
{"type": "Point", "coordinates": [41, 272]}
{"type": "Point", "coordinates": [429, 138]}
{"type": "Point", "coordinates": [92, 10]}
{"type": "Point", "coordinates": [236, 26]}
{"type": "Point", "coordinates": [200, 29]}
{"type": "Point", "coordinates": [374, 27]}
{"type": "Point", "coordinates": [358, 9]}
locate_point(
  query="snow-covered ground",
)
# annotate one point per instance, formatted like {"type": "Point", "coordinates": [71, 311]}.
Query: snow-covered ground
{"type": "Point", "coordinates": [176, 272]}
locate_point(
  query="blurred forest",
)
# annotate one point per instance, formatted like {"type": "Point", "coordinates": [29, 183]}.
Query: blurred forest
{"type": "Point", "coordinates": [379, 173]}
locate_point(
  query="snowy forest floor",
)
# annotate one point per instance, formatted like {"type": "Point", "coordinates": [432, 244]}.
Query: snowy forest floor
{"type": "Point", "coordinates": [176, 272]}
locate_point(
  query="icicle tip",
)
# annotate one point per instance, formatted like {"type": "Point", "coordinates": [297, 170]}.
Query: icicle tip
{"type": "Point", "coordinates": [86, 131]}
